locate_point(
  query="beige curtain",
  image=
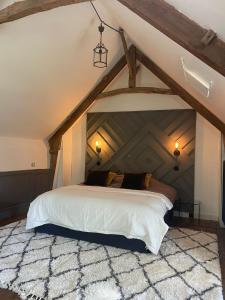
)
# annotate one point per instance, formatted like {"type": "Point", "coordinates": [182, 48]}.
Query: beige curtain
{"type": "Point", "coordinates": [58, 177]}
{"type": "Point", "coordinates": [64, 162]}
{"type": "Point", "coordinates": [70, 168]}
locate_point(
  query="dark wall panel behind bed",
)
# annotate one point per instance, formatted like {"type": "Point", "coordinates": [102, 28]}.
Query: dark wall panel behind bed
{"type": "Point", "coordinates": [145, 141]}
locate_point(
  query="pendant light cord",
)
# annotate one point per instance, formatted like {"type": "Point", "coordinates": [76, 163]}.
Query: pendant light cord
{"type": "Point", "coordinates": [103, 22]}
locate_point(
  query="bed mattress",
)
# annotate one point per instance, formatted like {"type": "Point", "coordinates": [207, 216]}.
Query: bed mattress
{"type": "Point", "coordinates": [132, 214]}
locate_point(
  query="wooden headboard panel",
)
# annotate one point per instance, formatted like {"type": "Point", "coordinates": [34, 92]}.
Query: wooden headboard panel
{"type": "Point", "coordinates": [145, 141]}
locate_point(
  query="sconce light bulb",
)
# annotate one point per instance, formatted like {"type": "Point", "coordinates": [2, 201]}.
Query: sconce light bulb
{"type": "Point", "coordinates": [98, 147]}
{"type": "Point", "coordinates": [176, 151]}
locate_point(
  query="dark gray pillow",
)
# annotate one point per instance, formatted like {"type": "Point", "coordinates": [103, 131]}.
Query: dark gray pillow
{"type": "Point", "coordinates": [97, 178]}
{"type": "Point", "coordinates": [134, 181]}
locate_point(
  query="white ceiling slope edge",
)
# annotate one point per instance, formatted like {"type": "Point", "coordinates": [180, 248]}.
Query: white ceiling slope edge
{"type": "Point", "coordinates": [5, 3]}
{"type": "Point", "coordinates": [46, 64]}
{"type": "Point", "coordinates": [207, 13]}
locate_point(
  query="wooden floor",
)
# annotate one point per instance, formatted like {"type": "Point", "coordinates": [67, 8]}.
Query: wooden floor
{"type": "Point", "coordinates": [209, 226]}
{"type": "Point", "coordinates": [7, 295]}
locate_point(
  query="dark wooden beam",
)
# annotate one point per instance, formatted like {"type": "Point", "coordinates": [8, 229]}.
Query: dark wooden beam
{"type": "Point", "coordinates": [55, 140]}
{"type": "Point", "coordinates": [137, 69]}
{"type": "Point", "coordinates": [126, 51]}
{"type": "Point", "coordinates": [132, 76]}
{"type": "Point", "coordinates": [180, 91]}
{"type": "Point", "coordinates": [54, 147]}
{"type": "Point", "coordinates": [26, 8]}
{"type": "Point", "coordinates": [182, 30]}
{"type": "Point", "coordinates": [142, 90]}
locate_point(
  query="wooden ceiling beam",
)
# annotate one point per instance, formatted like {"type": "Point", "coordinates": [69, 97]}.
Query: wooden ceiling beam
{"type": "Point", "coordinates": [133, 75]}
{"type": "Point", "coordinates": [199, 41]}
{"type": "Point", "coordinates": [180, 91]}
{"type": "Point", "coordinates": [127, 54]}
{"type": "Point", "coordinates": [26, 8]}
{"type": "Point", "coordinates": [136, 90]}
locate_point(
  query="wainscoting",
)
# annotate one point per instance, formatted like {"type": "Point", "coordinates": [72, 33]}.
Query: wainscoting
{"type": "Point", "coordinates": [145, 141]}
{"type": "Point", "coordinates": [223, 213]}
{"type": "Point", "coordinates": [19, 188]}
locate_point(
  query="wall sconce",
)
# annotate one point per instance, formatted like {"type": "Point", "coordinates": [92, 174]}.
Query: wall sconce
{"type": "Point", "coordinates": [98, 151]}
{"type": "Point", "coordinates": [176, 151]}
{"type": "Point", "coordinates": [176, 154]}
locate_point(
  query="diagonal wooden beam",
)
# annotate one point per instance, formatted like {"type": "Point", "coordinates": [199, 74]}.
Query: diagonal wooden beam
{"type": "Point", "coordinates": [55, 140]}
{"type": "Point", "coordinates": [137, 90]}
{"type": "Point", "coordinates": [127, 54]}
{"type": "Point", "coordinates": [199, 41]}
{"type": "Point", "coordinates": [26, 8]}
{"type": "Point", "coordinates": [132, 76]}
{"type": "Point", "coordinates": [180, 91]}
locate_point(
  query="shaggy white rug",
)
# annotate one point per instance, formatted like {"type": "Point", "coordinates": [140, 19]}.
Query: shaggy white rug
{"type": "Point", "coordinates": [40, 266]}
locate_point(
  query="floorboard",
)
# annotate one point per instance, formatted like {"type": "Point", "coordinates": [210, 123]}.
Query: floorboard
{"type": "Point", "coordinates": [221, 242]}
{"type": "Point", "coordinates": [7, 295]}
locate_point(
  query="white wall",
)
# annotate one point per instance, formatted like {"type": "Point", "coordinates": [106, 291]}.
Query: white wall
{"type": "Point", "coordinates": [221, 204]}
{"type": "Point", "coordinates": [19, 154]}
{"type": "Point", "coordinates": [208, 175]}
{"type": "Point", "coordinates": [208, 140]}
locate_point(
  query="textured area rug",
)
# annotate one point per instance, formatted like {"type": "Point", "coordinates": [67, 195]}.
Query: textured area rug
{"type": "Point", "coordinates": [41, 266]}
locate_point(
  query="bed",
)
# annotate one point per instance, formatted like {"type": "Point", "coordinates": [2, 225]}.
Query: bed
{"type": "Point", "coordinates": [124, 218]}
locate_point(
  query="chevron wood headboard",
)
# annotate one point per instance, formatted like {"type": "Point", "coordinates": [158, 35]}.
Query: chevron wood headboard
{"type": "Point", "coordinates": [145, 141]}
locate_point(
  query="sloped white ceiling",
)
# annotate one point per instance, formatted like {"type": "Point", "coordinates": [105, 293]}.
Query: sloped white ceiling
{"type": "Point", "coordinates": [46, 67]}
{"type": "Point", "coordinates": [46, 63]}
{"type": "Point", "coordinates": [167, 54]}
{"type": "Point", "coordinates": [207, 13]}
{"type": "Point", "coordinates": [5, 3]}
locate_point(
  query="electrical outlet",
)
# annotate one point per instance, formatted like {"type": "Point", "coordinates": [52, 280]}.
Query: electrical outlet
{"type": "Point", "coordinates": [33, 164]}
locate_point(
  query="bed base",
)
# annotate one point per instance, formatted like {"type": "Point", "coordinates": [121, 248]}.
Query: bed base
{"type": "Point", "coordinates": [112, 240]}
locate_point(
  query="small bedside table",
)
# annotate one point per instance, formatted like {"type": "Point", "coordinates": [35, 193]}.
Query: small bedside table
{"type": "Point", "coordinates": [190, 207]}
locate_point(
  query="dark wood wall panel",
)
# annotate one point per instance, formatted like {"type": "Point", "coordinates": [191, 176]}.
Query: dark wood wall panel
{"type": "Point", "coordinates": [19, 188]}
{"type": "Point", "coordinates": [145, 141]}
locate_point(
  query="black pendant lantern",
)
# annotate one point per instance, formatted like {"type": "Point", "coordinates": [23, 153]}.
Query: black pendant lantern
{"type": "Point", "coordinates": [100, 52]}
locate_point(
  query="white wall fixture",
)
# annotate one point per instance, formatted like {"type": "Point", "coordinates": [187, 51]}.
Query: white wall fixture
{"type": "Point", "coordinates": [196, 81]}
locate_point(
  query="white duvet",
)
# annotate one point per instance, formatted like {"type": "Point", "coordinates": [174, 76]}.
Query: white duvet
{"type": "Point", "coordinates": [133, 214]}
